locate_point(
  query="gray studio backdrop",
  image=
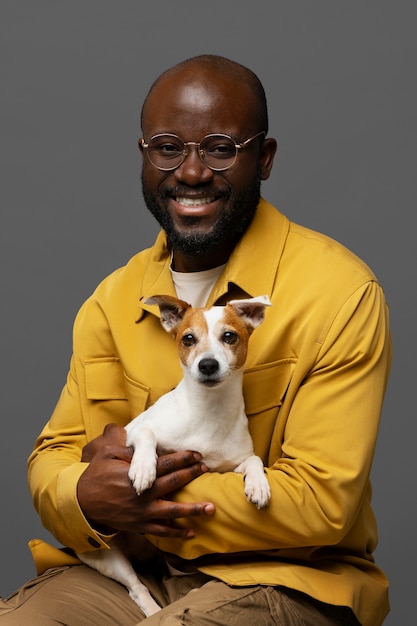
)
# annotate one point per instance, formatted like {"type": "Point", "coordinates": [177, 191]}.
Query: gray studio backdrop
{"type": "Point", "coordinates": [340, 79]}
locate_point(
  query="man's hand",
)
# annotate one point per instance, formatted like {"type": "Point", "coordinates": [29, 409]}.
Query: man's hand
{"type": "Point", "coordinates": [109, 501]}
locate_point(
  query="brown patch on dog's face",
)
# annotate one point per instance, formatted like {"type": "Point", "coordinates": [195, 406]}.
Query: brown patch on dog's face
{"type": "Point", "coordinates": [192, 336]}
{"type": "Point", "coordinates": [232, 323]}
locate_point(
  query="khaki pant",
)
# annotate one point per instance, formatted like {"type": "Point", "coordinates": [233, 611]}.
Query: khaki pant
{"type": "Point", "coordinates": [80, 596]}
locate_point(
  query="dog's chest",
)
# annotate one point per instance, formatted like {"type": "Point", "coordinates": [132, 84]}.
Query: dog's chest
{"type": "Point", "coordinates": [223, 445]}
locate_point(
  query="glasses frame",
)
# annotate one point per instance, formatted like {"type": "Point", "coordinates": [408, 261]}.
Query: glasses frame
{"type": "Point", "coordinates": [197, 144]}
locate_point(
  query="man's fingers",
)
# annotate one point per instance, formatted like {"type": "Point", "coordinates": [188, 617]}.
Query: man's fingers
{"type": "Point", "coordinates": [167, 511]}
{"type": "Point", "coordinates": [166, 526]}
{"type": "Point", "coordinates": [162, 529]}
{"type": "Point", "coordinates": [177, 460]}
{"type": "Point", "coordinates": [168, 483]}
{"type": "Point", "coordinates": [115, 434]}
{"type": "Point", "coordinates": [188, 509]}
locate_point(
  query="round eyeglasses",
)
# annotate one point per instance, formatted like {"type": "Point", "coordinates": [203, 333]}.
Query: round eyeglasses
{"type": "Point", "coordinates": [219, 152]}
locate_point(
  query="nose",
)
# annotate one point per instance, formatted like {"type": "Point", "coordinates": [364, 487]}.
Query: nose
{"type": "Point", "coordinates": [193, 171]}
{"type": "Point", "coordinates": [208, 366]}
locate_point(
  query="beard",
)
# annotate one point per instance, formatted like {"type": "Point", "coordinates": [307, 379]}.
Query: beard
{"type": "Point", "coordinates": [228, 229]}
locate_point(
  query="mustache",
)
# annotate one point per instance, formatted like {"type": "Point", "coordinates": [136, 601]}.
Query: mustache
{"type": "Point", "coordinates": [184, 190]}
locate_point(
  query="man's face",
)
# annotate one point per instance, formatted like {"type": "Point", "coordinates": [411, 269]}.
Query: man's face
{"type": "Point", "coordinates": [202, 211]}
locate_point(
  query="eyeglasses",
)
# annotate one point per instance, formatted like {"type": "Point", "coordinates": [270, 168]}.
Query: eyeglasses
{"type": "Point", "coordinates": [219, 152]}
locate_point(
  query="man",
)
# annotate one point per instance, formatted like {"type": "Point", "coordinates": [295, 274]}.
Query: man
{"type": "Point", "coordinates": [314, 384]}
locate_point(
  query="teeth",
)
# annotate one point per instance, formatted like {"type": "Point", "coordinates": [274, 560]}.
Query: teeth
{"type": "Point", "coordinates": [194, 201]}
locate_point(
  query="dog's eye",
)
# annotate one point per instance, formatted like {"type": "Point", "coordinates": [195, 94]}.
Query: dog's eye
{"type": "Point", "coordinates": [229, 337]}
{"type": "Point", "coordinates": [188, 340]}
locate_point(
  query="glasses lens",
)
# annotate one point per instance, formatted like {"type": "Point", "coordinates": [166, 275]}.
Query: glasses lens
{"type": "Point", "coordinates": [218, 151]}
{"type": "Point", "coordinates": [166, 151]}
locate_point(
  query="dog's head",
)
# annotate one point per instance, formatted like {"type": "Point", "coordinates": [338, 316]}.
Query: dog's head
{"type": "Point", "coordinates": [212, 342]}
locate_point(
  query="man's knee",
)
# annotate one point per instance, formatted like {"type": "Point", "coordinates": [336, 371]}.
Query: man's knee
{"type": "Point", "coordinates": [216, 604]}
{"type": "Point", "coordinates": [70, 596]}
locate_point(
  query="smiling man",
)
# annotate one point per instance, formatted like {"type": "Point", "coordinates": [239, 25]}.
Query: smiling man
{"type": "Point", "coordinates": [203, 188]}
{"type": "Point", "coordinates": [314, 384]}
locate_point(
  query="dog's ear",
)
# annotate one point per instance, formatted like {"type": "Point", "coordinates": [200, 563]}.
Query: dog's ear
{"type": "Point", "coordinates": [172, 310]}
{"type": "Point", "coordinates": [252, 310]}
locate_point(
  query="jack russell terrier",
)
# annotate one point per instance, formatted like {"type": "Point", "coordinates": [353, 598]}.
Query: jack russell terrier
{"type": "Point", "coordinates": [205, 412]}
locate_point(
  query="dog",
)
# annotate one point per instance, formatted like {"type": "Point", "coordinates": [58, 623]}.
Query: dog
{"type": "Point", "coordinates": [205, 412]}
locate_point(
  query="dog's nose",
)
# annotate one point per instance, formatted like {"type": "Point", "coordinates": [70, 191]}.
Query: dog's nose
{"type": "Point", "coordinates": [208, 366]}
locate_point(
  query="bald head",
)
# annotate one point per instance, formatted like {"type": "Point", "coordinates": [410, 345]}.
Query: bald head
{"type": "Point", "coordinates": [212, 71]}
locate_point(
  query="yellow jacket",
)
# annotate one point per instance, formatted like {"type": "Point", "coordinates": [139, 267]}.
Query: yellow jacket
{"type": "Point", "coordinates": [314, 383]}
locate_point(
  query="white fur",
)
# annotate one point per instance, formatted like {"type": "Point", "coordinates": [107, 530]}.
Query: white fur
{"type": "Point", "coordinates": [194, 416]}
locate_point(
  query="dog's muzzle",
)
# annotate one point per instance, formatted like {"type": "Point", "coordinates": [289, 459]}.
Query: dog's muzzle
{"type": "Point", "coordinates": [209, 369]}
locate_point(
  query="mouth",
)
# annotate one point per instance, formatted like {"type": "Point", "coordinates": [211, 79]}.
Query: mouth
{"type": "Point", "coordinates": [213, 380]}
{"type": "Point", "coordinates": [193, 206]}
{"type": "Point", "coordinates": [187, 201]}
{"type": "Point", "coordinates": [199, 202]}
{"type": "Point", "coordinates": [210, 382]}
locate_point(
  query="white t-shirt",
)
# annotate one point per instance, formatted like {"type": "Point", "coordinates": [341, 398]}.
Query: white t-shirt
{"type": "Point", "coordinates": [195, 287]}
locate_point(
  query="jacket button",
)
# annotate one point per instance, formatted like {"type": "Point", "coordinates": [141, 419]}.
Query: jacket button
{"type": "Point", "coordinates": [93, 542]}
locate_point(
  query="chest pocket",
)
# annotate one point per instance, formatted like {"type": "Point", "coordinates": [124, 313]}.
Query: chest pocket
{"type": "Point", "coordinates": [112, 396]}
{"type": "Point", "coordinates": [104, 379]}
{"type": "Point", "coordinates": [264, 389]}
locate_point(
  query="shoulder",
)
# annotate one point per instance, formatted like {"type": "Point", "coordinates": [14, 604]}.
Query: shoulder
{"type": "Point", "coordinates": [125, 278]}
{"type": "Point", "coordinates": [117, 295]}
{"type": "Point", "coordinates": [311, 252]}
{"type": "Point", "coordinates": [317, 277]}
{"type": "Point", "coordinates": [303, 249]}
{"type": "Point", "coordinates": [303, 257]}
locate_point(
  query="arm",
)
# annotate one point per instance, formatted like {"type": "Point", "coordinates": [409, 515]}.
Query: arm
{"type": "Point", "coordinates": [320, 483]}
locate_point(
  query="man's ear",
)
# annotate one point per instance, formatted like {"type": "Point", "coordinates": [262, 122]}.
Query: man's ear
{"type": "Point", "coordinates": [268, 149]}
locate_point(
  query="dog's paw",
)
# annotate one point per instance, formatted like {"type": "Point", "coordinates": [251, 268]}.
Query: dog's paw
{"type": "Point", "coordinates": [142, 473]}
{"type": "Point", "coordinates": [257, 488]}
{"type": "Point", "coordinates": [257, 491]}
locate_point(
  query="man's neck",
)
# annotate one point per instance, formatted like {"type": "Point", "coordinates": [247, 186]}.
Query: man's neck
{"type": "Point", "coordinates": [199, 263]}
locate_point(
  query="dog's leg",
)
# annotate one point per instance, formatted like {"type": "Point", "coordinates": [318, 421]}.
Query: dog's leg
{"type": "Point", "coordinates": [256, 484]}
{"type": "Point", "coordinates": [114, 564]}
{"type": "Point", "coordinates": [142, 471]}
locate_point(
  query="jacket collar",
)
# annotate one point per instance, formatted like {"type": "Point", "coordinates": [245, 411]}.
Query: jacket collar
{"type": "Point", "coordinates": [250, 271]}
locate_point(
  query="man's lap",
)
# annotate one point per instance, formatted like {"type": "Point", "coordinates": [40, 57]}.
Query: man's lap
{"type": "Point", "coordinates": [78, 595]}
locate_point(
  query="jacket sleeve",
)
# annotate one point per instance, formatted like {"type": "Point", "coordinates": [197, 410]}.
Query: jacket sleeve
{"type": "Point", "coordinates": [320, 483]}
{"type": "Point", "coordinates": [55, 464]}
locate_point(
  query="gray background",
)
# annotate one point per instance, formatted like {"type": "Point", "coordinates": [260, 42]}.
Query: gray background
{"type": "Point", "coordinates": [341, 85]}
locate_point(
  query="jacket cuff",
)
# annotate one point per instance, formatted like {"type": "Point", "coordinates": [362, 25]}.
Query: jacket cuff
{"type": "Point", "coordinates": [76, 532]}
